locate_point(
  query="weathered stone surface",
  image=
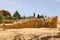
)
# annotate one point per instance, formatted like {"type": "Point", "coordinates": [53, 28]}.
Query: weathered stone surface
{"type": "Point", "coordinates": [58, 25]}
{"type": "Point", "coordinates": [35, 23]}
{"type": "Point", "coordinates": [30, 34]}
{"type": "Point", "coordinates": [5, 13]}
{"type": "Point", "coordinates": [51, 22]}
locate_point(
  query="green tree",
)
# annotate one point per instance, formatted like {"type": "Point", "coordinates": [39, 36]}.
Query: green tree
{"type": "Point", "coordinates": [16, 15]}
{"type": "Point", "coordinates": [41, 16]}
{"type": "Point", "coordinates": [1, 17]}
{"type": "Point", "coordinates": [38, 16]}
{"type": "Point", "coordinates": [34, 14]}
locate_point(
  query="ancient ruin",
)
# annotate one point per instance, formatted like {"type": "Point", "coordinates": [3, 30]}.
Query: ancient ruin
{"type": "Point", "coordinates": [34, 23]}
{"type": "Point", "coordinates": [5, 13]}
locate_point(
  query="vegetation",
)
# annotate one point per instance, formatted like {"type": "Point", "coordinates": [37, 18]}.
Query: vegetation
{"type": "Point", "coordinates": [30, 17]}
{"type": "Point", "coordinates": [16, 15]}
{"type": "Point", "coordinates": [34, 14]}
{"type": "Point", "coordinates": [38, 16]}
{"type": "Point", "coordinates": [1, 17]}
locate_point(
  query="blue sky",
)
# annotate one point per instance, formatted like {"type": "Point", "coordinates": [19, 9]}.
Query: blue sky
{"type": "Point", "coordinates": [28, 7]}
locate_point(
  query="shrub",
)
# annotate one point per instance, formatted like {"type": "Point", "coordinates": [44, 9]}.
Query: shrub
{"type": "Point", "coordinates": [1, 17]}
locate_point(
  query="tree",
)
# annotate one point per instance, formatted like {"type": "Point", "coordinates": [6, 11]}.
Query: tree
{"type": "Point", "coordinates": [38, 16]}
{"type": "Point", "coordinates": [41, 16]}
{"type": "Point", "coordinates": [34, 14]}
{"type": "Point", "coordinates": [1, 17]}
{"type": "Point", "coordinates": [16, 15]}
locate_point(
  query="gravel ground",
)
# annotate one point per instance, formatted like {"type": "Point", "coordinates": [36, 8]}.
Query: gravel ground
{"type": "Point", "coordinates": [30, 34]}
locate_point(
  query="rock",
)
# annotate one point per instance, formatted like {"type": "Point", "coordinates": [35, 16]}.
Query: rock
{"type": "Point", "coordinates": [5, 13]}
{"type": "Point", "coordinates": [51, 22]}
{"type": "Point", "coordinates": [35, 23]}
{"type": "Point", "coordinates": [58, 24]}
{"type": "Point", "coordinates": [30, 34]}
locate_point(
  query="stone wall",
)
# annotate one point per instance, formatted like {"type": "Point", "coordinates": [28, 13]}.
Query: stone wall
{"type": "Point", "coordinates": [35, 23]}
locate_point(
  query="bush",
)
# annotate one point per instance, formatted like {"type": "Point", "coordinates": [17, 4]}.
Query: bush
{"type": "Point", "coordinates": [1, 17]}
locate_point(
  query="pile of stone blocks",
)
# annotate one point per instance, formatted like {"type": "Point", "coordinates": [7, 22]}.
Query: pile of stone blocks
{"type": "Point", "coordinates": [47, 22]}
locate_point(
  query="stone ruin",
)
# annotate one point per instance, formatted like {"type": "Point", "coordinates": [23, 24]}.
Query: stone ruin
{"type": "Point", "coordinates": [48, 22]}
{"type": "Point", "coordinates": [6, 14]}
